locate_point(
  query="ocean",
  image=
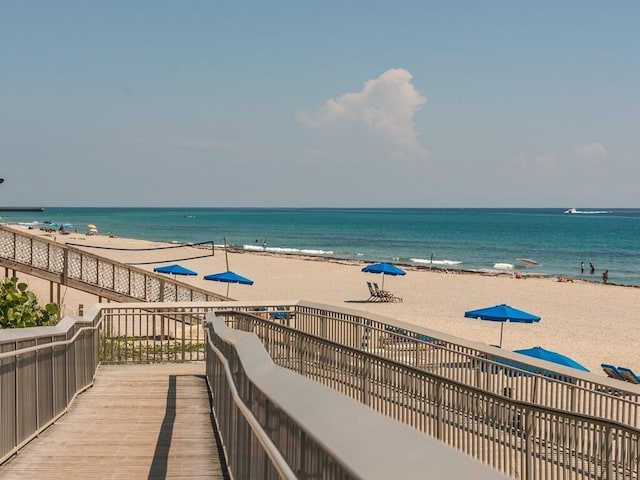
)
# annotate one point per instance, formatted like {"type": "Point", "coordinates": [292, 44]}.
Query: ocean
{"type": "Point", "coordinates": [456, 238]}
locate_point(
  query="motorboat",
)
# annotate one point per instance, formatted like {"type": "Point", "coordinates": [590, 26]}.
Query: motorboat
{"type": "Point", "coordinates": [571, 210]}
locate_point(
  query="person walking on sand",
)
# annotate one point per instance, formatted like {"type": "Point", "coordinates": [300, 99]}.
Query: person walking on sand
{"type": "Point", "coordinates": [581, 267]}
{"type": "Point", "coordinates": [592, 268]}
{"type": "Point", "coordinates": [605, 276]}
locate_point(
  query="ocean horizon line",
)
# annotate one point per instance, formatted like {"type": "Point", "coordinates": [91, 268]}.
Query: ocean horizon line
{"type": "Point", "coordinates": [263, 207]}
{"type": "Point", "coordinates": [474, 239]}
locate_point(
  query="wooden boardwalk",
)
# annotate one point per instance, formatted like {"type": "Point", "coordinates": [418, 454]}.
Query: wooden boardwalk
{"type": "Point", "coordinates": [137, 421]}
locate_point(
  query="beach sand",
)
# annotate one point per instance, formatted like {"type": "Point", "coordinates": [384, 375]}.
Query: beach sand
{"type": "Point", "coordinates": [586, 320]}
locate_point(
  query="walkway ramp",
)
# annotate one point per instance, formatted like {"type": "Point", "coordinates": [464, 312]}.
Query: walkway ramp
{"type": "Point", "coordinates": [137, 421]}
{"type": "Point", "coordinates": [61, 264]}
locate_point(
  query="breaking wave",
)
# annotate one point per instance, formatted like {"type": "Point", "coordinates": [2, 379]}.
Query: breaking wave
{"type": "Point", "coordinates": [436, 262]}
{"type": "Point", "coordinates": [287, 251]}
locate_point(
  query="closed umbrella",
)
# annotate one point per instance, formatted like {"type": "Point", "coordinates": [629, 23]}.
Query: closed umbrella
{"type": "Point", "coordinates": [384, 269]}
{"type": "Point", "coordinates": [502, 313]}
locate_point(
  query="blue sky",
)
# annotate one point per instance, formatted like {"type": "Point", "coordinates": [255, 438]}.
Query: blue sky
{"type": "Point", "coordinates": [320, 104]}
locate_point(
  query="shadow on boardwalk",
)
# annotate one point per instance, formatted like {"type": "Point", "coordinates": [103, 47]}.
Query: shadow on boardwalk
{"type": "Point", "coordinates": [137, 421]}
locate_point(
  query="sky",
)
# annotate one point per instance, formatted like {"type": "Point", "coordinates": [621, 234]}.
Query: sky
{"type": "Point", "coordinates": [320, 104]}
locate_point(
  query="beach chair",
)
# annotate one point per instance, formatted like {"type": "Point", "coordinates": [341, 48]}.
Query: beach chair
{"type": "Point", "coordinates": [628, 375]}
{"type": "Point", "coordinates": [612, 371]}
{"type": "Point", "coordinates": [280, 313]}
{"type": "Point", "coordinates": [386, 296]}
{"type": "Point", "coordinates": [374, 296]}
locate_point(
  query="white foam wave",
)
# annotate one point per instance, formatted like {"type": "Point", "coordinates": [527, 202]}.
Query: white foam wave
{"type": "Point", "coordinates": [289, 251]}
{"type": "Point", "coordinates": [503, 266]}
{"type": "Point", "coordinates": [436, 262]}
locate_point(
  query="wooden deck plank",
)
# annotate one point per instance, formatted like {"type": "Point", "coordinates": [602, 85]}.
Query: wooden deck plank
{"type": "Point", "coordinates": [137, 421]}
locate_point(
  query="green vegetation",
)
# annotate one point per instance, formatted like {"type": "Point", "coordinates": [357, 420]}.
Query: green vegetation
{"type": "Point", "coordinates": [143, 350]}
{"type": "Point", "coordinates": [19, 307]}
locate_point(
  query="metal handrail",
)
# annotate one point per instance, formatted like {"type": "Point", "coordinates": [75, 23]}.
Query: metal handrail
{"type": "Point", "coordinates": [40, 387]}
{"type": "Point", "coordinates": [607, 445]}
{"type": "Point", "coordinates": [277, 460]}
{"type": "Point", "coordinates": [43, 346]}
{"type": "Point", "coordinates": [544, 383]}
{"type": "Point", "coordinates": [298, 425]}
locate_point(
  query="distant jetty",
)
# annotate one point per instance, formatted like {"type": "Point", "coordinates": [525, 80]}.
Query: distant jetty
{"type": "Point", "coordinates": [21, 209]}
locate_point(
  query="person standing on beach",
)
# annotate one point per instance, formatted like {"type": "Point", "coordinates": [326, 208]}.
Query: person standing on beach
{"type": "Point", "coordinates": [581, 267]}
{"type": "Point", "coordinates": [592, 268]}
{"type": "Point", "coordinates": [605, 276]}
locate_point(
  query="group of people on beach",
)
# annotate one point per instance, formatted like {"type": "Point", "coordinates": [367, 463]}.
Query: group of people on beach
{"type": "Point", "coordinates": [592, 270]}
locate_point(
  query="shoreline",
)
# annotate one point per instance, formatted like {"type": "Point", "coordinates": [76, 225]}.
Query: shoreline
{"type": "Point", "coordinates": [583, 319]}
{"type": "Point", "coordinates": [411, 267]}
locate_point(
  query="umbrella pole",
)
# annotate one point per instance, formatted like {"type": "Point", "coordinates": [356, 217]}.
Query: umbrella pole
{"type": "Point", "coordinates": [226, 259]}
{"type": "Point", "coordinates": [382, 280]}
{"type": "Point", "coordinates": [501, 329]}
{"type": "Point", "coordinates": [226, 256]}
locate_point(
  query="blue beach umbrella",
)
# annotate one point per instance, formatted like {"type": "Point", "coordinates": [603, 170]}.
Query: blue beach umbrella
{"type": "Point", "coordinates": [550, 356]}
{"type": "Point", "coordinates": [502, 313]}
{"type": "Point", "coordinates": [384, 269]}
{"type": "Point", "coordinates": [174, 270]}
{"type": "Point", "coordinates": [228, 277]}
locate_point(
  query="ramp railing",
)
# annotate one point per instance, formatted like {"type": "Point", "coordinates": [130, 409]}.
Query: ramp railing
{"type": "Point", "coordinates": [92, 273]}
{"type": "Point", "coordinates": [276, 424]}
{"type": "Point", "coordinates": [520, 438]}
{"type": "Point", "coordinates": [42, 370]}
{"type": "Point", "coordinates": [173, 332]}
{"type": "Point", "coordinates": [447, 387]}
{"type": "Point", "coordinates": [472, 363]}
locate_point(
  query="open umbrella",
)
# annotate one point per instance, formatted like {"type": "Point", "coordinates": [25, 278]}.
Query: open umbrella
{"type": "Point", "coordinates": [174, 270]}
{"type": "Point", "coordinates": [228, 276]}
{"type": "Point", "coordinates": [384, 269]}
{"type": "Point", "coordinates": [502, 313]}
{"type": "Point", "coordinates": [91, 226]}
{"type": "Point", "coordinates": [551, 356]}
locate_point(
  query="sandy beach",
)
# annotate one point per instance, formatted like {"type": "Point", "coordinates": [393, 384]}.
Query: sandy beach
{"type": "Point", "coordinates": [591, 322]}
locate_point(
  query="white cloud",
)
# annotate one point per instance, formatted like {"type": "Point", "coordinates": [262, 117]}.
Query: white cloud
{"type": "Point", "coordinates": [594, 152]}
{"type": "Point", "coordinates": [539, 164]}
{"type": "Point", "coordinates": [547, 161]}
{"type": "Point", "coordinates": [386, 105]}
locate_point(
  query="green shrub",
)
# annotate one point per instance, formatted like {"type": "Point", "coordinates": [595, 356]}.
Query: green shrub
{"type": "Point", "coordinates": [19, 307]}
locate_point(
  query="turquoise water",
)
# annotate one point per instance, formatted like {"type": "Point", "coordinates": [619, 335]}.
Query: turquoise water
{"type": "Point", "coordinates": [469, 239]}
